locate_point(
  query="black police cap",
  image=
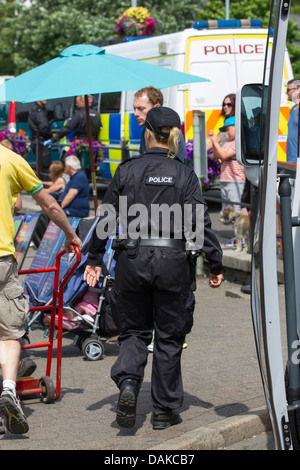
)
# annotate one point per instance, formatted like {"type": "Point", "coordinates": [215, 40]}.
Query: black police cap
{"type": "Point", "coordinates": [160, 117]}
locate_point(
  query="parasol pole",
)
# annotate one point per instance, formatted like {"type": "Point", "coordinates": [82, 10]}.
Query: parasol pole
{"type": "Point", "coordinates": [92, 161]}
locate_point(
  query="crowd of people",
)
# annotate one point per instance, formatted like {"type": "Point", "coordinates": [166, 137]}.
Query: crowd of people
{"type": "Point", "coordinates": [152, 295]}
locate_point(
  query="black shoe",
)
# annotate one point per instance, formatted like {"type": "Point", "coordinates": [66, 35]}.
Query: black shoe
{"type": "Point", "coordinates": [127, 403]}
{"type": "Point", "coordinates": [26, 367]}
{"type": "Point", "coordinates": [164, 421]}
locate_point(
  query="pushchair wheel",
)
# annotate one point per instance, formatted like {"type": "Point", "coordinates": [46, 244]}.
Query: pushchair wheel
{"type": "Point", "coordinates": [92, 349]}
{"type": "Point", "coordinates": [48, 390]}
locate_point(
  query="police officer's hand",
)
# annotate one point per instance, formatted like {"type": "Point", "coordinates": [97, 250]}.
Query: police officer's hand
{"type": "Point", "coordinates": [92, 275]}
{"type": "Point", "coordinates": [47, 143]}
{"type": "Point", "coordinates": [215, 280]}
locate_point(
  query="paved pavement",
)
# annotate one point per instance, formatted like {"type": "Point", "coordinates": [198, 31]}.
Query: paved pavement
{"type": "Point", "coordinates": [224, 400]}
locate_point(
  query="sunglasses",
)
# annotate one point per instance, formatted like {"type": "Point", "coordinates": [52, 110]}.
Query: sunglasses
{"type": "Point", "coordinates": [227, 104]}
{"type": "Point", "coordinates": [289, 89]}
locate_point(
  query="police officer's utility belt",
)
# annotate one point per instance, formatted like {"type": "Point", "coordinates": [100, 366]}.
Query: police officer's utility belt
{"type": "Point", "coordinates": [132, 246]}
{"type": "Point", "coordinates": [163, 242]}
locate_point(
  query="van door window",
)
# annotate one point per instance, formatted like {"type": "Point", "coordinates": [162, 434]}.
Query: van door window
{"type": "Point", "coordinates": [58, 109]}
{"type": "Point", "coordinates": [110, 103]}
{"type": "Point", "coordinates": [22, 110]}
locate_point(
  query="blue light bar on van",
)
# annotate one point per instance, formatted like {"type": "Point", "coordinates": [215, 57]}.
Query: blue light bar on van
{"type": "Point", "coordinates": [134, 38]}
{"type": "Point", "coordinates": [213, 24]}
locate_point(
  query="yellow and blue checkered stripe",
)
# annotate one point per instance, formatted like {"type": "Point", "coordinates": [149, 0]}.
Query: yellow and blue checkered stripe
{"type": "Point", "coordinates": [110, 135]}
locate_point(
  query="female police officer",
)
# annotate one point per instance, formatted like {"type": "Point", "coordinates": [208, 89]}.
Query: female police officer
{"type": "Point", "coordinates": [152, 278]}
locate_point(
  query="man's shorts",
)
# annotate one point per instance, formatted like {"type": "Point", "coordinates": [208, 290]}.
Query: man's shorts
{"type": "Point", "coordinates": [13, 304]}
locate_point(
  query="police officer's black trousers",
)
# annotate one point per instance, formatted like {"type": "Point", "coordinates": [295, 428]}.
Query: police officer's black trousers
{"type": "Point", "coordinates": [152, 291]}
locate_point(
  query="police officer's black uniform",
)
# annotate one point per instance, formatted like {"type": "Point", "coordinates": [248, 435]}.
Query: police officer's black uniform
{"type": "Point", "coordinates": [152, 283]}
{"type": "Point", "coordinates": [40, 131]}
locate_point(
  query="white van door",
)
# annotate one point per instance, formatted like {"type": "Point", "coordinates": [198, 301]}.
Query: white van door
{"type": "Point", "coordinates": [249, 57]}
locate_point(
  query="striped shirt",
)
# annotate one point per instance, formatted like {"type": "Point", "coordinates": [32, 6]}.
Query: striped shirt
{"type": "Point", "coordinates": [231, 170]}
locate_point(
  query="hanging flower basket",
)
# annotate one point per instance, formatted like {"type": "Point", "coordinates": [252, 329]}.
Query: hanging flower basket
{"type": "Point", "coordinates": [80, 148]}
{"type": "Point", "coordinates": [135, 21]}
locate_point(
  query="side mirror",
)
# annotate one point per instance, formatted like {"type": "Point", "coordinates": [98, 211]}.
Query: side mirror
{"type": "Point", "coordinates": [250, 124]}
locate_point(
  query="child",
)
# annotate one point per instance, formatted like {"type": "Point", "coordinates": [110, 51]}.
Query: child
{"type": "Point", "coordinates": [59, 179]}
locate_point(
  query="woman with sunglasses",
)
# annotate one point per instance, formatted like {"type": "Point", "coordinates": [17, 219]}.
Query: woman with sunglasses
{"type": "Point", "coordinates": [228, 106]}
{"type": "Point", "coordinates": [228, 110]}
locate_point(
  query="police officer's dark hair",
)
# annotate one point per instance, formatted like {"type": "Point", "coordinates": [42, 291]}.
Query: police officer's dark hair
{"type": "Point", "coordinates": [154, 95]}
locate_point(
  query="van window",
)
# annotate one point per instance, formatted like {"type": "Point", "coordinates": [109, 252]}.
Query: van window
{"type": "Point", "coordinates": [52, 107]}
{"type": "Point", "coordinates": [22, 110]}
{"type": "Point", "coordinates": [58, 109]}
{"type": "Point", "coordinates": [110, 103]}
{"type": "Point", "coordinates": [3, 114]}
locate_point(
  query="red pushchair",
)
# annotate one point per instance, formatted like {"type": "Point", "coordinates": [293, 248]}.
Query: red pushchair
{"type": "Point", "coordinates": [44, 385]}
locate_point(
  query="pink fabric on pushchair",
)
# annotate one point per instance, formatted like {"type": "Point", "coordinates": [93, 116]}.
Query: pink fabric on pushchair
{"type": "Point", "coordinates": [87, 305]}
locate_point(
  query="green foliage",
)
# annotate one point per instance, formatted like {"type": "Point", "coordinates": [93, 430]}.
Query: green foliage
{"type": "Point", "coordinates": [295, 7]}
{"type": "Point", "coordinates": [239, 9]}
{"type": "Point", "coordinates": [173, 15]}
{"type": "Point", "coordinates": [7, 34]}
{"type": "Point", "coordinates": [34, 32]}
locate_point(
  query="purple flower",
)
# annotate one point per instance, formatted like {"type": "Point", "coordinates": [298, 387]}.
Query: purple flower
{"type": "Point", "coordinates": [78, 145]}
{"type": "Point", "coordinates": [20, 144]}
{"type": "Point", "coordinates": [213, 166]}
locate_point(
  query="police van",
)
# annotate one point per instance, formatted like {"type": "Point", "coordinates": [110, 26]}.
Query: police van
{"type": "Point", "coordinates": [229, 53]}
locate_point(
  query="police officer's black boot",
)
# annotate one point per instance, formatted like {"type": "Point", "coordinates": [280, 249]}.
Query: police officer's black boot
{"type": "Point", "coordinates": [129, 390]}
{"type": "Point", "coordinates": [163, 421]}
